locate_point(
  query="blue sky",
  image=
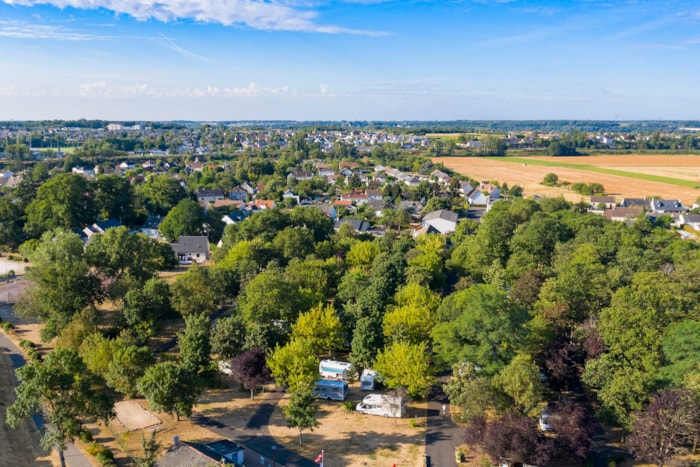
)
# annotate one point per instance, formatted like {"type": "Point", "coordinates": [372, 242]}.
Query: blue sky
{"type": "Point", "coordinates": [349, 60]}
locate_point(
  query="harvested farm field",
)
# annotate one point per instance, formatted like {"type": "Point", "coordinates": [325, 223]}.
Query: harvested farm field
{"type": "Point", "coordinates": [623, 176]}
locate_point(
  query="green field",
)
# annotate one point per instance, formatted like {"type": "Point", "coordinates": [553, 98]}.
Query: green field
{"type": "Point", "coordinates": [593, 168]}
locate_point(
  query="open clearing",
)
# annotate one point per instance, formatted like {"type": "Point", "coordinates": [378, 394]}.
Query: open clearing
{"type": "Point", "coordinates": [631, 176]}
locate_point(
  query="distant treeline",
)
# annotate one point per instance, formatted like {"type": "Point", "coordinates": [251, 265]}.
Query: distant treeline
{"type": "Point", "coordinates": [412, 126]}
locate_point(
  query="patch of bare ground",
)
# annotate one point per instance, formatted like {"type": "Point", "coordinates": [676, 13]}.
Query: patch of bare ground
{"type": "Point", "coordinates": [530, 176]}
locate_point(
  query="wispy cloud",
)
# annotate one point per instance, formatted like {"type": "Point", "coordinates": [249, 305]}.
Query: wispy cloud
{"type": "Point", "coordinates": [172, 45]}
{"type": "Point", "coordinates": [24, 30]}
{"type": "Point", "coordinates": [105, 90]}
{"type": "Point", "coordinates": [274, 15]}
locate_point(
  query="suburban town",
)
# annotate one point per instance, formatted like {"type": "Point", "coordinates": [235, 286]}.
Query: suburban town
{"type": "Point", "coordinates": [242, 294]}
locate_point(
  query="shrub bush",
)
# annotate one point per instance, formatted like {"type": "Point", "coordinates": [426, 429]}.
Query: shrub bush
{"type": "Point", "coordinates": [7, 327]}
{"type": "Point", "coordinates": [93, 448]}
{"type": "Point", "coordinates": [105, 457]}
{"type": "Point", "coordinates": [86, 436]}
{"type": "Point", "coordinates": [26, 344]}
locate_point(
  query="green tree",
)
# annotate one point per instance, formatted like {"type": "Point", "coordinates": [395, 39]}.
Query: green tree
{"type": "Point", "coordinates": [362, 254]}
{"type": "Point", "coordinates": [479, 325]}
{"type": "Point", "coordinates": [66, 201]}
{"type": "Point", "coordinates": [115, 198]}
{"type": "Point", "coordinates": [367, 340]}
{"type": "Point", "coordinates": [472, 392]}
{"type": "Point", "coordinates": [551, 179]}
{"type": "Point", "coordinates": [61, 282]}
{"type": "Point", "coordinates": [169, 388]}
{"type": "Point", "coordinates": [10, 222]}
{"type": "Point", "coordinates": [161, 193]}
{"type": "Point", "coordinates": [405, 365]}
{"type": "Point", "coordinates": [119, 252]}
{"type": "Point", "coordinates": [185, 219]}
{"type": "Point", "coordinates": [321, 327]}
{"type": "Point", "coordinates": [228, 336]}
{"type": "Point", "coordinates": [300, 412]}
{"type": "Point", "coordinates": [62, 387]}
{"type": "Point", "coordinates": [294, 365]}
{"type": "Point", "coordinates": [192, 292]}
{"type": "Point", "coordinates": [129, 363]}
{"type": "Point", "coordinates": [521, 380]}
{"type": "Point", "coordinates": [195, 348]}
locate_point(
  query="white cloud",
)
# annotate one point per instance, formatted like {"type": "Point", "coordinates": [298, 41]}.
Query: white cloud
{"type": "Point", "coordinates": [276, 15]}
{"type": "Point", "coordinates": [104, 90]}
{"type": "Point", "coordinates": [23, 30]}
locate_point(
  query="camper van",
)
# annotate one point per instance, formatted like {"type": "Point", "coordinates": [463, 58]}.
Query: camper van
{"type": "Point", "coordinates": [381, 404]}
{"type": "Point", "coordinates": [332, 369]}
{"type": "Point", "coordinates": [368, 380]}
{"type": "Point", "coordinates": [331, 390]}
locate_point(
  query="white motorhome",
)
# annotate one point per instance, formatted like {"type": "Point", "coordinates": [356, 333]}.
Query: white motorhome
{"type": "Point", "coordinates": [368, 380]}
{"type": "Point", "coordinates": [331, 390]}
{"type": "Point", "coordinates": [382, 405]}
{"type": "Point", "coordinates": [333, 369]}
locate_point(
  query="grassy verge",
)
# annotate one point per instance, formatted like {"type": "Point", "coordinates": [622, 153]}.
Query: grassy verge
{"type": "Point", "coordinates": [593, 168]}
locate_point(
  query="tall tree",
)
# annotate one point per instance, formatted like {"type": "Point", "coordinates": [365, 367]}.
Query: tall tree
{"type": "Point", "coordinates": [115, 198]}
{"type": "Point", "coordinates": [192, 292]}
{"type": "Point", "coordinates": [294, 365]}
{"type": "Point", "coordinates": [10, 222]}
{"type": "Point", "coordinates": [301, 411]}
{"type": "Point", "coordinates": [61, 282]}
{"type": "Point", "coordinates": [161, 193]}
{"type": "Point", "coordinates": [195, 348]}
{"type": "Point", "coordinates": [669, 423]}
{"type": "Point", "coordinates": [63, 388]}
{"type": "Point", "coordinates": [406, 365]}
{"type": "Point", "coordinates": [186, 218]}
{"type": "Point", "coordinates": [250, 369]}
{"type": "Point", "coordinates": [228, 336]}
{"type": "Point", "coordinates": [321, 327]}
{"type": "Point", "coordinates": [170, 388]}
{"type": "Point", "coordinates": [67, 201]}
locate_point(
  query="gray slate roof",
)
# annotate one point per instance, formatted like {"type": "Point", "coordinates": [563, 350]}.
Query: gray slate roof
{"type": "Point", "coordinates": [442, 214]}
{"type": "Point", "coordinates": [191, 244]}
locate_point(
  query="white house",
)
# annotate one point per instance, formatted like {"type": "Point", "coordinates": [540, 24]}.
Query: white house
{"type": "Point", "coordinates": [443, 221]}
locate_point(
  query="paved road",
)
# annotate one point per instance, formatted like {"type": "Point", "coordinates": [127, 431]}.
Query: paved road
{"type": "Point", "coordinates": [442, 435]}
{"type": "Point", "coordinates": [73, 456]}
{"type": "Point", "coordinates": [257, 439]}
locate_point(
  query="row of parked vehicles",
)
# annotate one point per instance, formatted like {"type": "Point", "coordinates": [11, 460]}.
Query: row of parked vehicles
{"type": "Point", "coordinates": [334, 386]}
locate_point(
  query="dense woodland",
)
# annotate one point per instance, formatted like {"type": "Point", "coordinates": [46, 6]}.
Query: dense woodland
{"type": "Point", "coordinates": [538, 303]}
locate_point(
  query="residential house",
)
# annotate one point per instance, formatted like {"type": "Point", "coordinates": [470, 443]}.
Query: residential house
{"type": "Point", "coordinates": [622, 214]}
{"type": "Point", "coordinates": [607, 201]}
{"type": "Point", "coordinates": [299, 175]}
{"type": "Point", "coordinates": [663, 206]}
{"type": "Point", "coordinates": [126, 166]}
{"type": "Point", "coordinates": [238, 193]}
{"type": "Point", "coordinates": [629, 202]}
{"type": "Point", "coordinates": [99, 228]}
{"type": "Point", "coordinates": [691, 220]}
{"type": "Point", "coordinates": [359, 226]}
{"type": "Point", "coordinates": [150, 227]}
{"type": "Point", "coordinates": [348, 165]}
{"type": "Point", "coordinates": [477, 197]}
{"type": "Point", "coordinates": [443, 221]}
{"type": "Point", "coordinates": [325, 170]}
{"type": "Point", "coordinates": [440, 176]}
{"type": "Point", "coordinates": [264, 204]}
{"type": "Point", "coordinates": [374, 194]}
{"type": "Point", "coordinates": [210, 195]}
{"type": "Point", "coordinates": [289, 194]}
{"type": "Point", "coordinates": [190, 249]}
{"type": "Point", "coordinates": [87, 173]}
{"type": "Point", "coordinates": [195, 166]}
{"type": "Point", "coordinates": [327, 210]}
{"type": "Point", "coordinates": [356, 196]}
{"type": "Point", "coordinates": [187, 454]}
{"type": "Point", "coordinates": [249, 188]}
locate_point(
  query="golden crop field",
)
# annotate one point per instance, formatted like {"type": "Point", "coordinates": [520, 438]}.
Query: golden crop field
{"type": "Point", "coordinates": [634, 176]}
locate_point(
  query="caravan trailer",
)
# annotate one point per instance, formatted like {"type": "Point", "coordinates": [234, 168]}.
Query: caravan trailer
{"type": "Point", "coordinates": [368, 380]}
{"type": "Point", "coordinates": [382, 405]}
{"type": "Point", "coordinates": [333, 369]}
{"type": "Point", "coordinates": [331, 390]}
